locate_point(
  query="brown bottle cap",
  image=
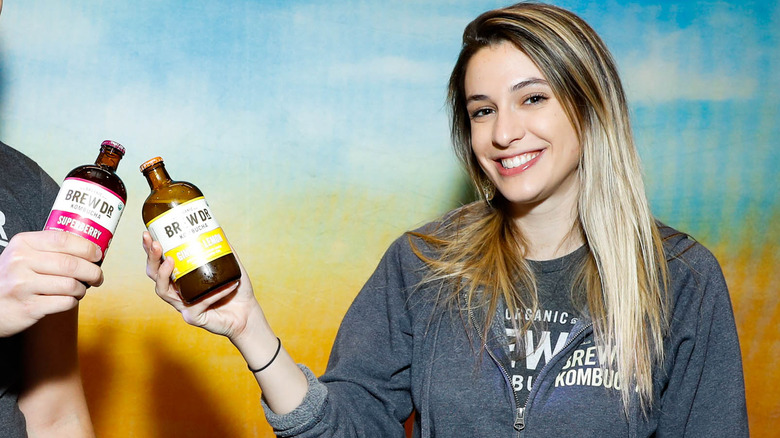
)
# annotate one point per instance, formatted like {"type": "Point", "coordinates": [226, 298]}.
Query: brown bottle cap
{"type": "Point", "coordinates": [150, 163]}
{"type": "Point", "coordinates": [115, 145]}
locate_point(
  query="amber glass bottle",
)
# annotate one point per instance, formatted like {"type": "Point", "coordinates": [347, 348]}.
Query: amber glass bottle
{"type": "Point", "coordinates": [91, 199]}
{"type": "Point", "coordinates": [177, 215]}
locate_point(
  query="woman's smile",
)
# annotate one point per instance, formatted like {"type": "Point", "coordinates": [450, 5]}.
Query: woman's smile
{"type": "Point", "coordinates": [518, 163]}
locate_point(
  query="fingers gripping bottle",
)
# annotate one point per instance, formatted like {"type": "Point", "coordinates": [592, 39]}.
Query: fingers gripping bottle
{"type": "Point", "coordinates": [177, 215]}
{"type": "Point", "coordinates": [91, 199]}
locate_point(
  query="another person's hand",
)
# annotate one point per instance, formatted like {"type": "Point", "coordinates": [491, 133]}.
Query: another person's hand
{"type": "Point", "coordinates": [42, 273]}
{"type": "Point", "coordinates": [225, 312]}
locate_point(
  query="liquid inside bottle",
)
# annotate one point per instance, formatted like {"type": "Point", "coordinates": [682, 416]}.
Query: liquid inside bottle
{"type": "Point", "coordinates": [91, 199]}
{"type": "Point", "coordinates": [178, 216]}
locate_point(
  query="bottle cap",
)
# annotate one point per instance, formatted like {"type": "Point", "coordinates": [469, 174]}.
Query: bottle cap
{"type": "Point", "coordinates": [150, 163]}
{"type": "Point", "coordinates": [115, 145]}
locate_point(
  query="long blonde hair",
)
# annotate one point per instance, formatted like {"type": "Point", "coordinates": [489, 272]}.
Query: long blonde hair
{"type": "Point", "coordinates": [479, 249]}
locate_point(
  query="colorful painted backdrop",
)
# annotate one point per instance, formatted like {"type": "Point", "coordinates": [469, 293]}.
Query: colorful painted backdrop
{"type": "Point", "coordinates": [318, 132]}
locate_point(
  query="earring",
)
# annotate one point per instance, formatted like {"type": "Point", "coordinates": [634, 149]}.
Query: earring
{"type": "Point", "coordinates": [489, 190]}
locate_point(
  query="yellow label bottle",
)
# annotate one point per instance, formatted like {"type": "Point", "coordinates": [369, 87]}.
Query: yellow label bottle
{"type": "Point", "coordinates": [178, 216]}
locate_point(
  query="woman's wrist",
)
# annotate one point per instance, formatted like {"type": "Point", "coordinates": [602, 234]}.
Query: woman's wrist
{"type": "Point", "coordinates": [283, 384]}
{"type": "Point", "coordinates": [257, 341]}
{"type": "Point", "coordinates": [256, 369]}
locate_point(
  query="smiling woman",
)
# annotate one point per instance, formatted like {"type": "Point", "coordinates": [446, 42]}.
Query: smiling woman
{"type": "Point", "coordinates": [538, 79]}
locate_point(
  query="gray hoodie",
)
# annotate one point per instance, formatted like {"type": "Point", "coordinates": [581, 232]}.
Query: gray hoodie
{"type": "Point", "coordinates": [398, 354]}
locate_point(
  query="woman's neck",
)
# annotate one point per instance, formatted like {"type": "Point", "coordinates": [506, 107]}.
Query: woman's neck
{"type": "Point", "coordinates": [549, 231]}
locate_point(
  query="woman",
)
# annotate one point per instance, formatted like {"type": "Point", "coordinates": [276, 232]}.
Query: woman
{"type": "Point", "coordinates": [556, 306]}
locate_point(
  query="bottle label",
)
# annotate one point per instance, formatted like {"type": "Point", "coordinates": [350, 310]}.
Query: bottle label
{"type": "Point", "coordinates": [190, 235]}
{"type": "Point", "coordinates": [86, 209]}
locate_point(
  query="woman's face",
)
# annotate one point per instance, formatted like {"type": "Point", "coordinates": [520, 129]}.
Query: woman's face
{"type": "Point", "coordinates": [520, 134]}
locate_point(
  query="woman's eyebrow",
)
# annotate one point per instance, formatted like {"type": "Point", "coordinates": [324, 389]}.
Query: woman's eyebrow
{"type": "Point", "coordinates": [516, 87]}
{"type": "Point", "coordinates": [475, 98]}
{"type": "Point", "coordinates": [528, 82]}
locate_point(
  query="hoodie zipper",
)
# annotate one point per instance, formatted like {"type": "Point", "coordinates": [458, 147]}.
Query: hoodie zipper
{"type": "Point", "coordinates": [521, 411]}
{"type": "Point", "coordinates": [519, 423]}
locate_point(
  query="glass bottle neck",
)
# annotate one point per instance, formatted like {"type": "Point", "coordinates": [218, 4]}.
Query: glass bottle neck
{"type": "Point", "coordinates": [157, 176]}
{"type": "Point", "coordinates": [108, 158]}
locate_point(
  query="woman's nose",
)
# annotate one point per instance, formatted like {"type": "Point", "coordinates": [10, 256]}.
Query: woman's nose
{"type": "Point", "coordinates": [507, 128]}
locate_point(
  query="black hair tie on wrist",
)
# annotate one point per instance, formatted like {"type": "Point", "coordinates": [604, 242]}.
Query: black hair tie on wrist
{"type": "Point", "coordinates": [278, 348]}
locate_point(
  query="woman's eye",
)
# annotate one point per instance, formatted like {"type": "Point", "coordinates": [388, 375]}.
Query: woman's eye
{"type": "Point", "coordinates": [481, 112]}
{"type": "Point", "coordinates": [535, 99]}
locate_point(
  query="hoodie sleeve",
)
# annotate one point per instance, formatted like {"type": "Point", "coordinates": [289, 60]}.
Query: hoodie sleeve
{"type": "Point", "coordinates": [365, 390]}
{"type": "Point", "coordinates": [704, 394]}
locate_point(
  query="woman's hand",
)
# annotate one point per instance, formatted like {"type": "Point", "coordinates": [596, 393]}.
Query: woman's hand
{"type": "Point", "coordinates": [234, 312]}
{"type": "Point", "coordinates": [224, 312]}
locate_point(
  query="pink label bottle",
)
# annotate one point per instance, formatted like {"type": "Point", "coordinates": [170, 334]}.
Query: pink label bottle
{"type": "Point", "coordinates": [92, 198]}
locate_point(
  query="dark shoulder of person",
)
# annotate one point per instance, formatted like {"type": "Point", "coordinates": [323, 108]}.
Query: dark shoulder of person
{"type": "Point", "coordinates": [27, 193]}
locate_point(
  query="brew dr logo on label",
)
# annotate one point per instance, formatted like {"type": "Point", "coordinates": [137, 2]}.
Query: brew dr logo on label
{"type": "Point", "coordinates": [86, 209]}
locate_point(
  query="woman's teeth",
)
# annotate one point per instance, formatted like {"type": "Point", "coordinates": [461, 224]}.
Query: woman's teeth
{"type": "Point", "coordinates": [518, 160]}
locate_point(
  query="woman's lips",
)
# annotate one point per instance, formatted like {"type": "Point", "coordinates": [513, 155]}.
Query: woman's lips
{"type": "Point", "coordinates": [518, 163]}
